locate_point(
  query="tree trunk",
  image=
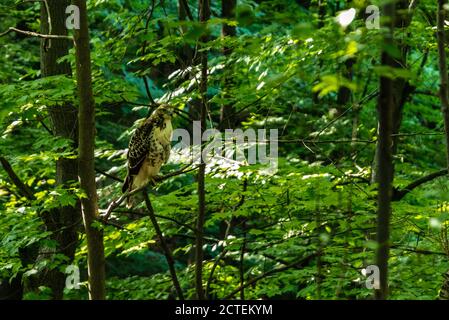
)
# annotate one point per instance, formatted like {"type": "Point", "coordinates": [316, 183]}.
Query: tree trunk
{"type": "Point", "coordinates": [186, 52]}
{"type": "Point", "coordinates": [444, 97]}
{"type": "Point", "coordinates": [321, 14]}
{"type": "Point", "coordinates": [204, 9]}
{"type": "Point", "coordinates": [444, 81]}
{"type": "Point", "coordinates": [86, 170]}
{"type": "Point", "coordinates": [402, 89]}
{"type": "Point", "coordinates": [228, 12]}
{"type": "Point", "coordinates": [64, 124]}
{"type": "Point", "coordinates": [344, 93]}
{"type": "Point", "coordinates": [385, 164]}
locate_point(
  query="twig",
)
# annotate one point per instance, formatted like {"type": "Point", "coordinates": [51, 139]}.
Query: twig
{"type": "Point", "coordinates": [23, 188]}
{"type": "Point", "coordinates": [418, 251]}
{"type": "Point", "coordinates": [217, 260]}
{"type": "Point", "coordinates": [372, 95]}
{"type": "Point", "coordinates": [144, 48]}
{"type": "Point", "coordinates": [46, 127]}
{"type": "Point", "coordinates": [241, 263]}
{"type": "Point", "coordinates": [175, 173]}
{"type": "Point", "coordinates": [177, 111]}
{"type": "Point", "coordinates": [164, 246]}
{"type": "Point", "coordinates": [104, 173]}
{"type": "Point", "coordinates": [50, 27]}
{"type": "Point", "coordinates": [35, 34]}
{"type": "Point", "coordinates": [320, 141]}
{"type": "Point", "coordinates": [225, 250]}
{"type": "Point", "coordinates": [115, 203]}
{"type": "Point", "coordinates": [141, 214]}
{"type": "Point", "coordinates": [399, 194]}
{"type": "Point", "coordinates": [269, 273]}
{"type": "Point", "coordinates": [47, 9]}
{"type": "Point", "coordinates": [116, 225]}
{"type": "Point", "coordinates": [258, 99]}
{"type": "Point", "coordinates": [411, 134]}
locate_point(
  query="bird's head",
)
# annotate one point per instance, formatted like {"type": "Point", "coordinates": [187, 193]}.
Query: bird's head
{"type": "Point", "coordinates": [165, 112]}
{"type": "Point", "coordinates": [162, 114]}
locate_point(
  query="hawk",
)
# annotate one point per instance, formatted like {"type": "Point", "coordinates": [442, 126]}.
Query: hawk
{"type": "Point", "coordinates": [149, 148]}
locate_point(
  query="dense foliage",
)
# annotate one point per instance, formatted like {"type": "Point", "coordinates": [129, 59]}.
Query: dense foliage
{"type": "Point", "coordinates": [304, 232]}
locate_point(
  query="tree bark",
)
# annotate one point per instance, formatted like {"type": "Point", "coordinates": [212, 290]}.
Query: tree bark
{"type": "Point", "coordinates": [86, 169]}
{"type": "Point", "coordinates": [444, 98]}
{"type": "Point", "coordinates": [344, 93]}
{"type": "Point", "coordinates": [385, 164]}
{"type": "Point", "coordinates": [227, 12]}
{"type": "Point", "coordinates": [402, 89]}
{"type": "Point", "coordinates": [186, 52]}
{"type": "Point", "coordinates": [204, 10]}
{"type": "Point", "coordinates": [64, 124]}
{"type": "Point", "coordinates": [444, 81]}
{"type": "Point", "coordinates": [184, 10]}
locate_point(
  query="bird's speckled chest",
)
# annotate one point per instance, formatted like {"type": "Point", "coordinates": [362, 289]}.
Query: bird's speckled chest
{"type": "Point", "coordinates": [160, 143]}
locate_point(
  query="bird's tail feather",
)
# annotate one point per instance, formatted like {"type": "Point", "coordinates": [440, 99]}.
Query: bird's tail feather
{"type": "Point", "coordinates": [127, 185]}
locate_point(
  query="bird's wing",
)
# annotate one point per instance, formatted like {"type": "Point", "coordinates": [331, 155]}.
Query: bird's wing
{"type": "Point", "coordinates": [139, 146]}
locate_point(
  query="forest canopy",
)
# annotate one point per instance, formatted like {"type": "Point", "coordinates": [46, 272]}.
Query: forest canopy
{"type": "Point", "coordinates": [332, 177]}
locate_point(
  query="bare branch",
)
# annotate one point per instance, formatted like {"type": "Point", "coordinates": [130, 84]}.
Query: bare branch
{"type": "Point", "coordinates": [108, 175]}
{"type": "Point", "coordinates": [418, 251]}
{"type": "Point", "coordinates": [399, 194]}
{"type": "Point", "coordinates": [23, 188]}
{"type": "Point", "coordinates": [141, 214]}
{"type": "Point", "coordinates": [164, 246]}
{"type": "Point", "coordinates": [35, 34]}
{"type": "Point", "coordinates": [217, 260]}
{"type": "Point", "coordinates": [144, 47]}
{"type": "Point", "coordinates": [175, 173]}
{"type": "Point", "coordinates": [301, 261]}
{"type": "Point", "coordinates": [117, 202]}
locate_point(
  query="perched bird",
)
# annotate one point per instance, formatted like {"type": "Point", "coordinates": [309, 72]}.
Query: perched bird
{"type": "Point", "coordinates": [149, 148]}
